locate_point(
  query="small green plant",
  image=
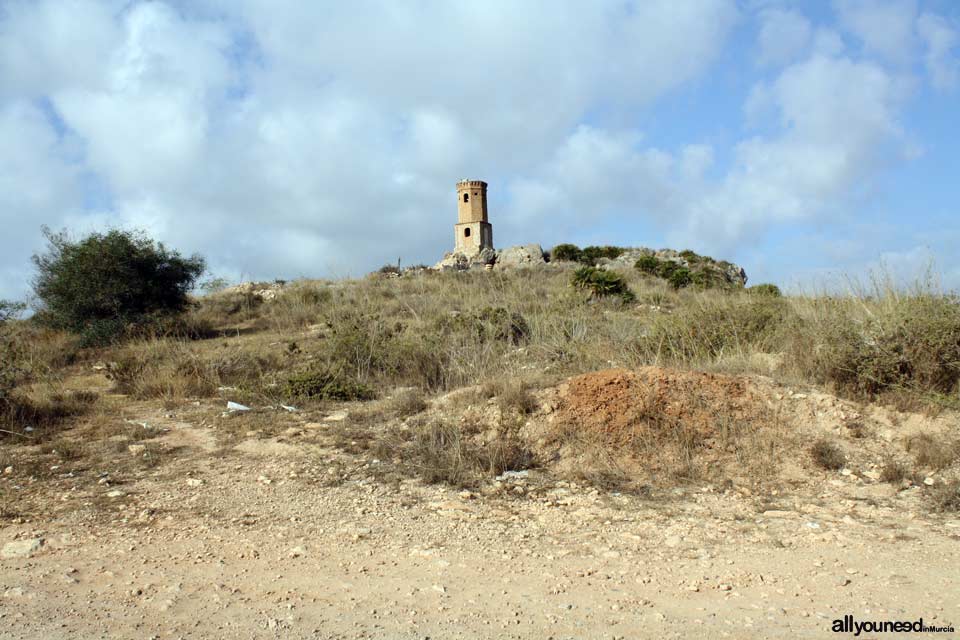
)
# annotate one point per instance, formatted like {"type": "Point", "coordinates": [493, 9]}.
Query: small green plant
{"type": "Point", "coordinates": [827, 455]}
{"type": "Point", "coordinates": [324, 384]}
{"type": "Point", "coordinates": [765, 289]}
{"type": "Point", "coordinates": [647, 264]}
{"type": "Point", "coordinates": [601, 283]}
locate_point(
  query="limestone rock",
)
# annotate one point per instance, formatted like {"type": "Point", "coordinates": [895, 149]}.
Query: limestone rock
{"type": "Point", "coordinates": [21, 548]}
{"type": "Point", "coordinates": [520, 256]}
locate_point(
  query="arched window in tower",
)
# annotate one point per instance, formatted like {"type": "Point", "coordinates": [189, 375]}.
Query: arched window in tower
{"type": "Point", "coordinates": [466, 232]}
{"type": "Point", "coordinates": [466, 197]}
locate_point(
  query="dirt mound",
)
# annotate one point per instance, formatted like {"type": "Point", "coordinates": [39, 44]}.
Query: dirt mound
{"type": "Point", "coordinates": [626, 405]}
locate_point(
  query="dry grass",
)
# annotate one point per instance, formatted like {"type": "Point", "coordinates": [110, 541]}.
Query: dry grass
{"type": "Point", "coordinates": [434, 450]}
{"type": "Point", "coordinates": [934, 452]}
{"type": "Point", "coordinates": [894, 471]}
{"type": "Point", "coordinates": [945, 497]}
{"type": "Point", "coordinates": [827, 455]}
{"type": "Point", "coordinates": [440, 332]}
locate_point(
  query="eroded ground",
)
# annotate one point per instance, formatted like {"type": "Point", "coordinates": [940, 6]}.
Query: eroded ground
{"type": "Point", "coordinates": [270, 525]}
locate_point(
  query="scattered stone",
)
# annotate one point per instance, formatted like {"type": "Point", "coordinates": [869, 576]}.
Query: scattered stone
{"type": "Point", "coordinates": [116, 493]}
{"type": "Point", "coordinates": [513, 475]}
{"type": "Point", "coordinates": [775, 513]}
{"type": "Point", "coordinates": [929, 482]}
{"type": "Point", "coordinates": [137, 449]}
{"type": "Point", "coordinates": [673, 541]}
{"type": "Point", "coordinates": [194, 482]}
{"type": "Point", "coordinates": [7, 471]}
{"type": "Point", "coordinates": [21, 548]}
{"type": "Point", "coordinates": [297, 552]}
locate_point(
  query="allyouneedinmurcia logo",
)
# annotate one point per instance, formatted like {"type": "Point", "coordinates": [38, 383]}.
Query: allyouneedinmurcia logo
{"type": "Point", "coordinates": [850, 625]}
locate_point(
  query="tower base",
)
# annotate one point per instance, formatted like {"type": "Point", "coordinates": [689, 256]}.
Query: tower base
{"type": "Point", "coordinates": [472, 237]}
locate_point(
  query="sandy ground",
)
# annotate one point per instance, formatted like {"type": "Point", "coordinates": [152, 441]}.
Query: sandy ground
{"type": "Point", "coordinates": [278, 539]}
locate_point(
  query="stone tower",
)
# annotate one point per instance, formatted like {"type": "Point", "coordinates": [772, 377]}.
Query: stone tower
{"type": "Point", "coordinates": [472, 232]}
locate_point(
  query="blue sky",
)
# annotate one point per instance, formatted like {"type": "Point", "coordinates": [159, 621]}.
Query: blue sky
{"type": "Point", "coordinates": [806, 141]}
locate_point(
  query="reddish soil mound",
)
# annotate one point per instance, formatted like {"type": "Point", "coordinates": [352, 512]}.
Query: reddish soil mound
{"type": "Point", "coordinates": [626, 405]}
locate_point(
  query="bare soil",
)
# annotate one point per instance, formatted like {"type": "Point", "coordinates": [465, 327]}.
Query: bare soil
{"type": "Point", "coordinates": [263, 525]}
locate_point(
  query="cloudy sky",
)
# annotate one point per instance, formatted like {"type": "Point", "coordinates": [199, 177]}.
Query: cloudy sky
{"type": "Point", "coordinates": [282, 138]}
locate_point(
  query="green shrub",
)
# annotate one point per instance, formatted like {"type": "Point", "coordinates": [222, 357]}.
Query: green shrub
{"type": "Point", "coordinates": [105, 284]}
{"type": "Point", "coordinates": [647, 264]}
{"type": "Point", "coordinates": [765, 289]}
{"type": "Point", "coordinates": [325, 384]}
{"type": "Point", "coordinates": [601, 283]}
{"type": "Point", "coordinates": [666, 268]}
{"type": "Point", "coordinates": [565, 253]}
{"type": "Point", "coordinates": [590, 255]}
{"type": "Point", "coordinates": [680, 278]}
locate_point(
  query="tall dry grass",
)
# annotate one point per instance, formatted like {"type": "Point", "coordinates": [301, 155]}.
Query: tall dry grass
{"type": "Point", "coordinates": [440, 331]}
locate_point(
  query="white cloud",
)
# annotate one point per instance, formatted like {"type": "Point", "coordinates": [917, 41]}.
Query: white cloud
{"type": "Point", "coordinates": [784, 35]}
{"type": "Point", "coordinates": [942, 62]}
{"type": "Point", "coordinates": [838, 128]}
{"type": "Point", "coordinates": [285, 138]}
{"type": "Point", "coordinates": [884, 26]}
{"type": "Point", "coordinates": [281, 138]}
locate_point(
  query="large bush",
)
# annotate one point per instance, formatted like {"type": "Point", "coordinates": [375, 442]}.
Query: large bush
{"type": "Point", "coordinates": [104, 284]}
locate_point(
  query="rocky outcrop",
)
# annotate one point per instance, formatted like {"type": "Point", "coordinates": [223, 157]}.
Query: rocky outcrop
{"type": "Point", "coordinates": [527, 255]}
{"type": "Point", "coordinates": [262, 290]}
{"type": "Point", "coordinates": [721, 271]}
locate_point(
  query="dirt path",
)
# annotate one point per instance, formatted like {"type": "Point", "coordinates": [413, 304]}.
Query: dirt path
{"type": "Point", "coordinates": [262, 543]}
